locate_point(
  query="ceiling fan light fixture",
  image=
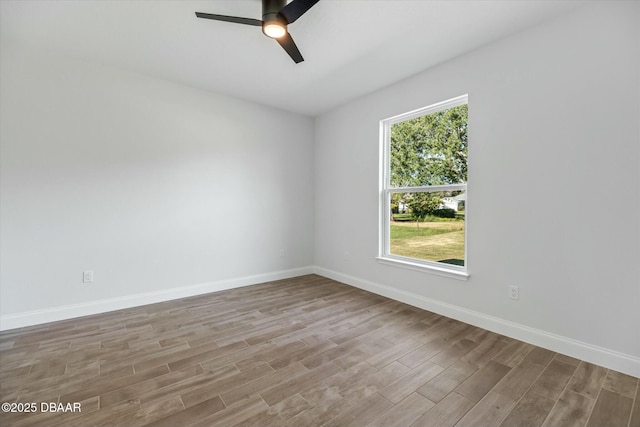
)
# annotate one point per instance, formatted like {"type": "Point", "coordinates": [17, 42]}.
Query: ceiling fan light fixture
{"type": "Point", "coordinates": [274, 29]}
{"type": "Point", "coordinates": [276, 16]}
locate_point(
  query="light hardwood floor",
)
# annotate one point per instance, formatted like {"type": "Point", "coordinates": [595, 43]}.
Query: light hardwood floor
{"type": "Point", "coordinates": [307, 351]}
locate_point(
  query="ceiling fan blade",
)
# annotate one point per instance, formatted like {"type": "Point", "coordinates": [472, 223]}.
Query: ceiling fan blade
{"type": "Point", "coordinates": [289, 45]}
{"type": "Point", "coordinates": [234, 19]}
{"type": "Point", "coordinates": [296, 9]}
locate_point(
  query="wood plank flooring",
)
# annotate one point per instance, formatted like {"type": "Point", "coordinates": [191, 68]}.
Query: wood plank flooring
{"type": "Point", "coordinates": [306, 351]}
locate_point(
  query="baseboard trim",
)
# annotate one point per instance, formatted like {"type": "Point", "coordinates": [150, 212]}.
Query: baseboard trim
{"type": "Point", "coordinates": [37, 317]}
{"type": "Point", "coordinates": [611, 359]}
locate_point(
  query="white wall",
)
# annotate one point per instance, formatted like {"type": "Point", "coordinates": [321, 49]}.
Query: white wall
{"type": "Point", "coordinates": [554, 122]}
{"type": "Point", "coordinates": [152, 185]}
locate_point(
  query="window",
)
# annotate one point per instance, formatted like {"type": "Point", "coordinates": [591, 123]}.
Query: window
{"type": "Point", "coordinates": [424, 188]}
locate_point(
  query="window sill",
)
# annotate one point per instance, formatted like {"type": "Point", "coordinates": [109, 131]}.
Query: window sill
{"type": "Point", "coordinates": [437, 270]}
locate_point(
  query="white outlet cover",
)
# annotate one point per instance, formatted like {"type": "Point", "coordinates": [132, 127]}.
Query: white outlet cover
{"type": "Point", "coordinates": [87, 276]}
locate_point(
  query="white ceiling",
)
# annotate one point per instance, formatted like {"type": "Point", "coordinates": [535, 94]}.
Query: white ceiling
{"type": "Point", "coordinates": [351, 47]}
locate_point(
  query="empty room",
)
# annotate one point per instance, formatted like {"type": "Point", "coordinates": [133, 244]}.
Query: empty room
{"type": "Point", "coordinates": [320, 213]}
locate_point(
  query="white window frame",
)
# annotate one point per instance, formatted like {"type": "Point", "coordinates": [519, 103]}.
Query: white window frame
{"type": "Point", "coordinates": [384, 255]}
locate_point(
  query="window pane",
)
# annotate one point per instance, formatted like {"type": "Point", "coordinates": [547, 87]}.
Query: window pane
{"type": "Point", "coordinates": [430, 150]}
{"type": "Point", "coordinates": [428, 226]}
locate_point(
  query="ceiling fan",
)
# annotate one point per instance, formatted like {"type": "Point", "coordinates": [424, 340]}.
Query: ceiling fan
{"type": "Point", "coordinates": [276, 15]}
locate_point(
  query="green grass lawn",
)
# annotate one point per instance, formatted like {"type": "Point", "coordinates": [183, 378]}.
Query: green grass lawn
{"type": "Point", "coordinates": [441, 241]}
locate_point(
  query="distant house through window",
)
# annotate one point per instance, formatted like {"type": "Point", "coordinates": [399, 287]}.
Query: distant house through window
{"type": "Point", "coordinates": [424, 187]}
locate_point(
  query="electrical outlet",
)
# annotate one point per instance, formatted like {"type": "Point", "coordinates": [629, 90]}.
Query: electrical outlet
{"type": "Point", "coordinates": [514, 292]}
{"type": "Point", "coordinates": [87, 276]}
